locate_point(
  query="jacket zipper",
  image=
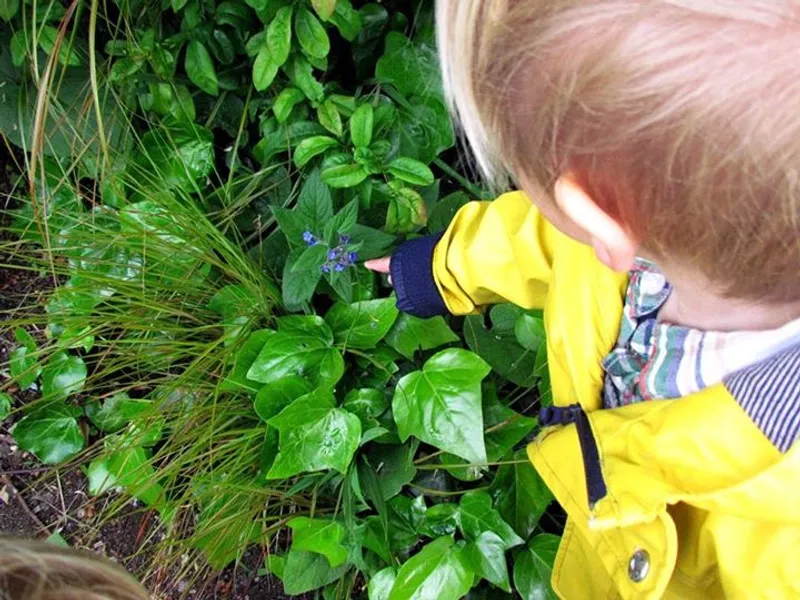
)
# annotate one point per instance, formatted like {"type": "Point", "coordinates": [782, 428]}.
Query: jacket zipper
{"type": "Point", "coordinates": [563, 415]}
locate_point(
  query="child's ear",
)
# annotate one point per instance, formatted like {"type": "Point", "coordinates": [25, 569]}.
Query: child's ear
{"type": "Point", "coordinates": [614, 246]}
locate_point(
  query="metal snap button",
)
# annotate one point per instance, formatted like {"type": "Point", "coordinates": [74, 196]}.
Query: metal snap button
{"type": "Point", "coordinates": [639, 566]}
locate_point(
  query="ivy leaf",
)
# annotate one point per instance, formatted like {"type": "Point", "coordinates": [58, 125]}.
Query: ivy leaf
{"type": "Point", "coordinates": [362, 324]}
{"type": "Point", "coordinates": [443, 211]}
{"type": "Point", "coordinates": [486, 557]}
{"type": "Point", "coordinates": [407, 211]}
{"type": "Point", "coordinates": [8, 8]}
{"type": "Point", "coordinates": [324, 8]}
{"type": "Point", "coordinates": [311, 34]}
{"type": "Point", "coordinates": [440, 519]}
{"type": "Point", "coordinates": [344, 176]}
{"type": "Point", "coordinates": [321, 536]}
{"type": "Point", "coordinates": [279, 36]}
{"type": "Point", "coordinates": [411, 171]}
{"type": "Point", "coordinates": [366, 404]}
{"type": "Point", "coordinates": [307, 571]}
{"type": "Point", "coordinates": [361, 126]}
{"type": "Point", "coordinates": [306, 351]}
{"type": "Point", "coordinates": [116, 412]}
{"type": "Point", "coordinates": [63, 376]}
{"type": "Point", "coordinates": [533, 568]}
{"type": "Point", "coordinates": [264, 69]}
{"type": "Point", "coordinates": [242, 361]}
{"type": "Point", "coordinates": [395, 467]}
{"type": "Point", "coordinates": [311, 147]}
{"type": "Point", "coordinates": [507, 427]}
{"type": "Point", "coordinates": [329, 117]}
{"type": "Point", "coordinates": [274, 397]}
{"type": "Point", "coordinates": [529, 331]}
{"type": "Point", "coordinates": [437, 571]}
{"type": "Point", "coordinates": [285, 102]}
{"type": "Point", "coordinates": [412, 68]}
{"type": "Point", "coordinates": [410, 334]}
{"type": "Point", "coordinates": [51, 433]}
{"type": "Point", "coordinates": [519, 494]}
{"type": "Point", "coordinates": [23, 363]}
{"type": "Point", "coordinates": [478, 516]}
{"type": "Point", "coordinates": [381, 583]}
{"type": "Point", "coordinates": [200, 68]}
{"type": "Point", "coordinates": [441, 404]}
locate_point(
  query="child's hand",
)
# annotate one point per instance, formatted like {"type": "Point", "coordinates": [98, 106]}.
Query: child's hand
{"type": "Point", "coordinates": [380, 265]}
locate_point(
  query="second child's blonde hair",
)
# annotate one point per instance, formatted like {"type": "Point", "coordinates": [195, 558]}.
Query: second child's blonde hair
{"type": "Point", "coordinates": [681, 118]}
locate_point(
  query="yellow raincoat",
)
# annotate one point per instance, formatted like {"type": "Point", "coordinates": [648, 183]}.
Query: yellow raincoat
{"type": "Point", "coordinates": [698, 503]}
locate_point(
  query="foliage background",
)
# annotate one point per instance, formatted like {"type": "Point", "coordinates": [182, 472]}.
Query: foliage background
{"type": "Point", "coordinates": [201, 181]}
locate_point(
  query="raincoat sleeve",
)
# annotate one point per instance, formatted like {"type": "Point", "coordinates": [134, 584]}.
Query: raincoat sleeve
{"type": "Point", "coordinates": [493, 252]}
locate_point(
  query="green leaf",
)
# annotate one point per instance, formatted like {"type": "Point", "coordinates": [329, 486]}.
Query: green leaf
{"type": "Point", "coordinates": [297, 287]}
{"type": "Point", "coordinates": [529, 331]}
{"type": "Point", "coordinates": [274, 397]}
{"type": "Point", "coordinates": [5, 406]}
{"type": "Point", "coordinates": [443, 211]}
{"type": "Point", "coordinates": [307, 571]}
{"type": "Point", "coordinates": [440, 519]}
{"type": "Point", "coordinates": [311, 259]}
{"type": "Point", "coordinates": [520, 494]}
{"type": "Point", "coordinates": [406, 212]}
{"type": "Point", "coordinates": [361, 126]}
{"type": "Point", "coordinates": [324, 9]}
{"type": "Point", "coordinates": [478, 516]}
{"type": "Point", "coordinates": [329, 117]}
{"type": "Point", "coordinates": [486, 557]}
{"type": "Point", "coordinates": [314, 436]}
{"type": "Point", "coordinates": [395, 467]}
{"type": "Point", "coordinates": [57, 539]}
{"type": "Point", "coordinates": [347, 20]}
{"type": "Point", "coordinates": [366, 404]}
{"type": "Point", "coordinates": [410, 334]}
{"type": "Point", "coordinates": [279, 36]}
{"type": "Point", "coordinates": [505, 427]}
{"type": "Point", "coordinates": [243, 359]}
{"type": "Point", "coordinates": [342, 223]}
{"type": "Point", "coordinates": [381, 583]}
{"type": "Point", "coordinates": [412, 68]}
{"type": "Point", "coordinates": [264, 69]}
{"type": "Point", "coordinates": [315, 202]}
{"type": "Point", "coordinates": [311, 34]}
{"type": "Point", "coordinates": [374, 242]}
{"type": "Point", "coordinates": [23, 362]}
{"type": "Point", "coordinates": [222, 47]}
{"type": "Point", "coordinates": [63, 376]}
{"type": "Point", "coordinates": [363, 324]}
{"type": "Point", "coordinates": [18, 47]}
{"type": "Point", "coordinates": [344, 176]}
{"type": "Point", "coordinates": [498, 346]}
{"type": "Point", "coordinates": [51, 433]}
{"type": "Point", "coordinates": [200, 68]}
{"type": "Point", "coordinates": [320, 536]}
{"type": "Point", "coordinates": [48, 36]}
{"type": "Point", "coordinates": [411, 171]}
{"type": "Point", "coordinates": [305, 351]}
{"type": "Point", "coordinates": [436, 572]}
{"type": "Point", "coordinates": [8, 8]}
{"type": "Point", "coordinates": [285, 102]}
{"type": "Point", "coordinates": [311, 147]}
{"type": "Point", "coordinates": [116, 412]}
{"type": "Point", "coordinates": [301, 75]}
{"type": "Point", "coordinates": [533, 568]}
{"type": "Point", "coordinates": [441, 404]}
{"type": "Point", "coordinates": [424, 129]}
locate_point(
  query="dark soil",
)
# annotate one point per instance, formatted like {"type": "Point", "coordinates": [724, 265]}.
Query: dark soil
{"type": "Point", "coordinates": [37, 502]}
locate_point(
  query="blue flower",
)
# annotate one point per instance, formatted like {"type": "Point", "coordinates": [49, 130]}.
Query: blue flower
{"type": "Point", "coordinates": [326, 268]}
{"type": "Point", "coordinates": [309, 238]}
{"type": "Point", "coordinates": [339, 267]}
{"type": "Point", "coordinates": [353, 257]}
{"type": "Point", "coordinates": [333, 254]}
{"type": "Point", "coordinates": [344, 239]}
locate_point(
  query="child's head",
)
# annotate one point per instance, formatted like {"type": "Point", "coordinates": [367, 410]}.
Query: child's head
{"type": "Point", "coordinates": [679, 119]}
{"type": "Point", "coordinates": [32, 570]}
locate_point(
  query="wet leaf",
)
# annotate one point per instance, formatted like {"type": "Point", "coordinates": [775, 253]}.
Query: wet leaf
{"type": "Point", "coordinates": [64, 375]}
{"type": "Point", "coordinates": [320, 536]}
{"type": "Point", "coordinates": [533, 568]}
{"type": "Point", "coordinates": [437, 571]}
{"type": "Point", "coordinates": [362, 324]}
{"type": "Point", "coordinates": [200, 68]}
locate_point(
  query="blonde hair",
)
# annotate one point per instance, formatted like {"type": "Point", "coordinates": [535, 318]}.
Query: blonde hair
{"type": "Point", "coordinates": [35, 570]}
{"type": "Point", "coordinates": [681, 118]}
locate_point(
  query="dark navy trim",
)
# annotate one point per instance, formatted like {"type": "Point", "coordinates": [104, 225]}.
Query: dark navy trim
{"type": "Point", "coordinates": [412, 278]}
{"type": "Point", "coordinates": [596, 488]}
{"type": "Point", "coordinates": [769, 392]}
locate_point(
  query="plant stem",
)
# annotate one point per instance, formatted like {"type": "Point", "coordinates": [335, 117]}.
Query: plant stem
{"type": "Point", "coordinates": [473, 189]}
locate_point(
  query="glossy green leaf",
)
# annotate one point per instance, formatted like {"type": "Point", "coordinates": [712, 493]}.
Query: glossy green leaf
{"type": "Point", "coordinates": [529, 331]}
{"type": "Point", "coordinates": [315, 203]}
{"type": "Point", "coordinates": [305, 351]}
{"type": "Point", "coordinates": [329, 117]}
{"type": "Point", "coordinates": [63, 376]}
{"type": "Point", "coordinates": [366, 404]}
{"type": "Point", "coordinates": [533, 568]}
{"type": "Point", "coordinates": [505, 427]}
{"type": "Point", "coordinates": [274, 397]}
{"type": "Point", "coordinates": [8, 8]}
{"type": "Point", "coordinates": [51, 433]}
{"type": "Point", "coordinates": [279, 36]}
{"type": "Point", "coordinates": [411, 334]}
{"type": "Point", "coordinates": [237, 380]}
{"type": "Point", "coordinates": [441, 404]}
{"type": "Point", "coordinates": [300, 72]}
{"type": "Point", "coordinates": [48, 37]}
{"type": "Point", "coordinates": [116, 412]}
{"type": "Point", "coordinates": [440, 519]}
{"type": "Point", "coordinates": [395, 467]}
{"type": "Point", "coordinates": [285, 102]}
{"type": "Point", "coordinates": [380, 586]}
{"type": "Point", "coordinates": [320, 536]}
{"type": "Point", "coordinates": [361, 126]}
{"type": "Point", "coordinates": [23, 362]}
{"type": "Point", "coordinates": [346, 19]}
{"type": "Point", "coordinates": [362, 324]}
{"type": "Point", "coordinates": [311, 147]}
{"type": "Point", "coordinates": [264, 69]}
{"type": "Point", "coordinates": [436, 572]}
{"type": "Point", "coordinates": [222, 47]}
{"type": "Point", "coordinates": [411, 170]}
{"type": "Point", "coordinates": [406, 212]}
{"type": "Point", "coordinates": [256, 43]}
{"type": "Point", "coordinates": [200, 68]}
{"type": "Point", "coordinates": [5, 405]}
{"type": "Point", "coordinates": [486, 556]}
{"type": "Point", "coordinates": [344, 176]}
{"type": "Point", "coordinates": [311, 34]}
{"type": "Point", "coordinates": [324, 9]}
{"type": "Point", "coordinates": [307, 571]}
{"type": "Point", "coordinates": [520, 494]}
{"type": "Point", "coordinates": [478, 516]}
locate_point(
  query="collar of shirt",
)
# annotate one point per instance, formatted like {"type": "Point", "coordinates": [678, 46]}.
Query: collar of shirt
{"type": "Point", "coordinates": [653, 360]}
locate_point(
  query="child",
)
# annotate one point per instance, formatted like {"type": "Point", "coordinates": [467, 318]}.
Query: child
{"type": "Point", "coordinates": [658, 146]}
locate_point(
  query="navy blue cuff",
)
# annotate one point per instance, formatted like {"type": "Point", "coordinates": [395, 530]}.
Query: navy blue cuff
{"type": "Point", "coordinates": [412, 278]}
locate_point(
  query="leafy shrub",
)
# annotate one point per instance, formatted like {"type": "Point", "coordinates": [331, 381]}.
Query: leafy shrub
{"type": "Point", "coordinates": [205, 180]}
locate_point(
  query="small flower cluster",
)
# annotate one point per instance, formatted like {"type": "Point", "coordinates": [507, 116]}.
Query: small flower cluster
{"type": "Point", "coordinates": [339, 258]}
